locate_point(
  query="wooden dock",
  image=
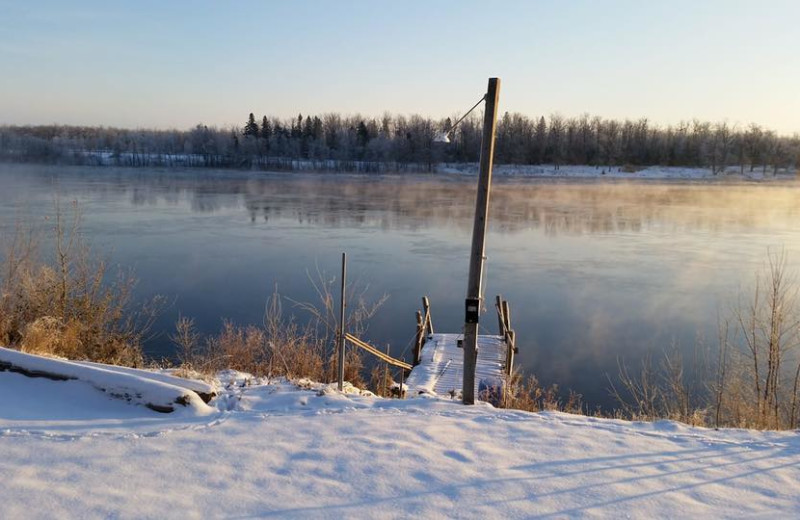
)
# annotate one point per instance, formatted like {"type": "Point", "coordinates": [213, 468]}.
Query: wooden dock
{"type": "Point", "coordinates": [439, 358]}
{"type": "Point", "coordinates": [438, 364]}
{"type": "Point", "coordinates": [441, 366]}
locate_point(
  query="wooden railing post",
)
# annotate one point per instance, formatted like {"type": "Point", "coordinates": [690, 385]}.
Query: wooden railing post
{"type": "Point", "coordinates": [420, 339]}
{"type": "Point", "coordinates": [426, 306]}
{"type": "Point", "coordinates": [501, 322]}
{"type": "Point", "coordinates": [510, 351]}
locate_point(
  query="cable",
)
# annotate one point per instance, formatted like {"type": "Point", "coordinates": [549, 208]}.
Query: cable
{"type": "Point", "coordinates": [453, 127]}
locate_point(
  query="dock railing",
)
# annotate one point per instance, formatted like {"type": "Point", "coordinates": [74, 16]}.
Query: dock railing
{"type": "Point", "coordinates": [424, 329]}
{"type": "Point", "coordinates": [504, 325]}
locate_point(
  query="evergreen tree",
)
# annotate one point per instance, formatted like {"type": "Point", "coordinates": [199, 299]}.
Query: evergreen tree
{"type": "Point", "coordinates": [266, 129]}
{"type": "Point", "coordinates": [316, 128]}
{"type": "Point", "coordinates": [251, 127]}
{"type": "Point", "coordinates": [297, 127]}
{"type": "Point", "coordinates": [540, 141]}
{"type": "Point", "coordinates": [362, 134]}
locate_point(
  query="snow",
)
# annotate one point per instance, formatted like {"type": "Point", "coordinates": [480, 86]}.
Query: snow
{"type": "Point", "coordinates": [276, 449]}
{"type": "Point", "coordinates": [200, 387]}
{"type": "Point", "coordinates": [441, 367]}
{"type": "Point", "coordinates": [133, 386]}
{"type": "Point", "coordinates": [615, 172]}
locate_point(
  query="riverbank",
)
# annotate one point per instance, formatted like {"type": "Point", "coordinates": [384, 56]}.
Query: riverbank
{"type": "Point", "coordinates": [549, 171]}
{"type": "Point", "coordinates": [596, 270]}
{"type": "Point", "coordinates": [500, 171]}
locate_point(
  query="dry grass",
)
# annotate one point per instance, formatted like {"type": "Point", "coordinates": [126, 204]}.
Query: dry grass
{"type": "Point", "coordinates": [754, 380]}
{"type": "Point", "coordinates": [278, 348]}
{"type": "Point", "coordinates": [68, 303]}
{"type": "Point", "coordinates": [529, 395]}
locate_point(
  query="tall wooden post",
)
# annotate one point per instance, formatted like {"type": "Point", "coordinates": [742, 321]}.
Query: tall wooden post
{"type": "Point", "coordinates": [342, 307]}
{"type": "Point", "coordinates": [476, 258]}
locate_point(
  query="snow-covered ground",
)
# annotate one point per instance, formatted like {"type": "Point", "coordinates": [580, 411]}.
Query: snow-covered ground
{"type": "Point", "coordinates": [277, 450]}
{"type": "Point", "coordinates": [649, 172]}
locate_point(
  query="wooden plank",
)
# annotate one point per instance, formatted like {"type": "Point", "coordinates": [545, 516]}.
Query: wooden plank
{"type": "Point", "coordinates": [377, 353]}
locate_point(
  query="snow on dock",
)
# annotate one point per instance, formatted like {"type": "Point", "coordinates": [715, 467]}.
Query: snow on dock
{"type": "Point", "coordinates": [439, 358]}
{"type": "Point", "coordinates": [441, 365]}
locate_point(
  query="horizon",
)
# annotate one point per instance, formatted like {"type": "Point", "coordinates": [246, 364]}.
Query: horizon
{"type": "Point", "coordinates": [171, 67]}
{"type": "Point", "coordinates": [655, 125]}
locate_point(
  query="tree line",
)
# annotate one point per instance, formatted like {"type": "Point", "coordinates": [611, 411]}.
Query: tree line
{"type": "Point", "coordinates": [409, 143]}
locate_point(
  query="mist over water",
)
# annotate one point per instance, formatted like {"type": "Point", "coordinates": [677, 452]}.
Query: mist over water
{"type": "Point", "coordinates": [594, 271]}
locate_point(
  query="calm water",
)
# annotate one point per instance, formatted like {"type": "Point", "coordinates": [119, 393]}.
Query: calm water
{"type": "Point", "coordinates": [594, 271]}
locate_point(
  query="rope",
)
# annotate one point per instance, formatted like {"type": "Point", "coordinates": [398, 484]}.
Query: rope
{"type": "Point", "coordinates": [377, 353]}
{"type": "Point", "coordinates": [410, 342]}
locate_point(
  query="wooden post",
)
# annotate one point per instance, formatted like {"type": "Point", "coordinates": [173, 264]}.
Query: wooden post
{"type": "Point", "coordinates": [501, 322]}
{"type": "Point", "coordinates": [509, 337]}
{"type": "Point", "coordinates": [510, 351]}
{"type": "Point", "coordinates": [426, 306]}
{"type": "Point", "coordinates": [420, 339]}
{"type": "Point", "coordinates": [342, 332]}
{"type": "Point", "coordinates": [476, 258]}
{"type": "Point", "coordinates": [507, 314]}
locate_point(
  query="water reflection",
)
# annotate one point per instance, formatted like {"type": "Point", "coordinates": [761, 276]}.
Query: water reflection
{"type": "Point", "coordinates": [411, 202]}
{"type": "Point", "coordinates": [594, 270]}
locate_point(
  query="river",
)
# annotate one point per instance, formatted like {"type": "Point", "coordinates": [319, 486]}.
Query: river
{"type": "Point", "coordinates": [595, 271]}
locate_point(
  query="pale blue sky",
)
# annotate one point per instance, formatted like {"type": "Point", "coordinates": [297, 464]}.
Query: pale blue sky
{"type": "Point", "coordinates": [172, 64]}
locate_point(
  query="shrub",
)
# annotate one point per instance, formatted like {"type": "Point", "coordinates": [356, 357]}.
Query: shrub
{"type": "Point", "coordinates": [529, 395]}
{"type": "Point", "coordinates": [67, 303]}
{"type": "Point", "coordinates": [280, 347]}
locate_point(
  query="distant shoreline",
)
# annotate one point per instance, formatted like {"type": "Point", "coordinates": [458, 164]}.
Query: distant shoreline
{"type": "Point", "coordinates": [501, 172]}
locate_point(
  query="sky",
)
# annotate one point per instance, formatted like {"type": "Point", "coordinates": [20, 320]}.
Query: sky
{"type": "Point", "coordinates": [175, 64]}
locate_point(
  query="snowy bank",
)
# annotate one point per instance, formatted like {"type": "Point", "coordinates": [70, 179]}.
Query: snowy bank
{"type": "Point", "coordinates": [158, 392]}
{"type": "Point", "coordinates": [732, 173]}
{"type": "Point", "coordinates": [273, 449]}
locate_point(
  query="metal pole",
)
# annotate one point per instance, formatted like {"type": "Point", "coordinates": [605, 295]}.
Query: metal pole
{"type": "Point", "coordinates": [342, 307]}
{"type": "Point", "coordinates": [402, 381]}
{"type": "Point", "coordinates": [385, 373]}
{"type": "Point", "coordinates": [476, 258]}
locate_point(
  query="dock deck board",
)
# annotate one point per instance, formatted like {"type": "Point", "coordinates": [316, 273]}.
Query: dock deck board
{"type": "Point", "coordinates": [441, 367]}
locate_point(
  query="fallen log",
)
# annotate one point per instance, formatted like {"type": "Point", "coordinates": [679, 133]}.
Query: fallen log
{"type": "Point", "coordinates": [128, 385]}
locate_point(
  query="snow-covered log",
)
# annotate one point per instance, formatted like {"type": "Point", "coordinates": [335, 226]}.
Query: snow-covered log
{"type": "Point", "coordinates": [205, 390]}
{"type": "Point", "coordinates": [133, 386]}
